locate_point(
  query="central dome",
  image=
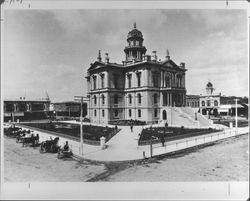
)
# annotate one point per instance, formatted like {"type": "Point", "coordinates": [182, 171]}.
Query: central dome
{"type": "Point", "coordinates": [135, 33]}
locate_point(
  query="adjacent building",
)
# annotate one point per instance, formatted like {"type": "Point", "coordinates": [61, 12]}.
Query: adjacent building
{"type": "Point", "coordinates": [142, 87]}
{"type": "Point", "coordinates": [216, 104]}
{"type": "Point", "coordinates": [25, 110]}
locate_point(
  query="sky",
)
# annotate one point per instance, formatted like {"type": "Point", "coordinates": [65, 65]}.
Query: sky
{"type": "Point", "coordinates": [51, 50]}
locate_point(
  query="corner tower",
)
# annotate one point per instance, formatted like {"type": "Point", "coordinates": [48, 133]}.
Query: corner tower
{"type": "Point", "coordinates": [135, 50]}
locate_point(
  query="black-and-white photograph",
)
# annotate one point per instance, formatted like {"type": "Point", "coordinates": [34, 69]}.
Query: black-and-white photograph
{"type": "Point", "coordinates": [125, 95]}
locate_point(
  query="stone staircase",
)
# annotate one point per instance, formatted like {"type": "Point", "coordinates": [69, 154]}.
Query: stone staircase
{"type": "Point", "coordinates": [203, 121]}
{"type": "Point", "coordinates": [183, 119]}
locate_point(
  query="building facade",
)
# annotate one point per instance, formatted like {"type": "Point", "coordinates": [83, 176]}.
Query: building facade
{"type": "Point", "coordinates": [23, 109]}
{"type": "Point", "coordinates": [216, 104]}
{"type": "Point", "coordinates": [141, 88]}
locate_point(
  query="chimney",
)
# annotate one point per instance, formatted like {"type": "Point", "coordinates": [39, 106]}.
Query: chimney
{"type": "Point", "coordinates": [182, 65]}
{"type": "Point", "coordinates": [154, 56]}
{"type": "Point", "coordinates": [99, 58]}
{"type": "Point", "coordinates": [106, 57]}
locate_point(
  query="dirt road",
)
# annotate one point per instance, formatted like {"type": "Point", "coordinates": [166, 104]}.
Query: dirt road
{"type": "Point", "coordinates": [224, 161]}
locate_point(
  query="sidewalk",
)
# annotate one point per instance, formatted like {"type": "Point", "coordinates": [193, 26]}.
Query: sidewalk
{"type": "Point", "coordinates": [124, 145]}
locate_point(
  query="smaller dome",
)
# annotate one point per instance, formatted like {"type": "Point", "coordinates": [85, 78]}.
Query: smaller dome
{"type": "Point", "coordinates": [135, 33]}
{"type": "Point", "coordinates": [209, 84]}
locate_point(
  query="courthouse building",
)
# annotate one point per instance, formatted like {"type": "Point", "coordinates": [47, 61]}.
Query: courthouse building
{"type": "Point", "coordinates": [142, 87]}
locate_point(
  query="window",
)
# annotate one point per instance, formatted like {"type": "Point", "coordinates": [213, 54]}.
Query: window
{"type": "Point", "coordinates": [116, 99]}
{"type": "Point", "coordinates": [208, 103]}
{"type": "Point", "coordinates": [203, 103]}
{"type": "Point", "coordinates": [116, 113]}
{"type": "Point", "coordinates": [129, 80]}
{"type": "Point", "coordinates": [215, 103]}
{"type": "Point", "coordinates": [129, 113]}
{"type": "Point", "coordinates": [130, 99]}
{"type": "Point", "coordinates": [155, 99]}
{"type": "Point", "coordinates": [138, 79]}
{"type": "Point", "coordinates": [94, 82]}
{"type": "Point", "coordinates": [156, 112]}
{"type": "Point", "coordinates": [103, 99]}
{"type": "Point", "coordinates": [95, 99]}
{"type": "Point", "coordinates": [155, 80]}
{"type": "Point", "coordinates": [167, 81]}
{"type": "Point", "coordinates": [116, 81]}
{"type": "Point", "coordinates": [179, 81]}
{"type": "Point", "coordinates": [95, 113]}
{"type": "Point", "coordinates": [139, 98]}
{"type": "Point", "coordinates": [139, 113]}
{"type": "Point", "coordinates": [137, 42]}
{"type": "Point", "coordinates": [102, 80]}
{"type": "Point", "coordinates": [103, 114]}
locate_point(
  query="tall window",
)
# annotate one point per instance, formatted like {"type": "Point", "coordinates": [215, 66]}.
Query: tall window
{"type": "Point", "coordinates": [208, 103]}
{"type": "Point", "coordinates": [94, 82]}
{"type": "Point", "coordinates": [95, 113]}
{"type": "Point", "coordinates": [139, 98]}
{"type": "Point", "coordinates": [95, 99]}
{"type": "Point", "coordinates": [103, 99]}
{"type": "Point", "coordinates": [103, 114]}
{"type": "Point", "coordinates": [116, 99]}
{"type": "Point", "coordinates": [129, 80]}
{"type": "Point", "coordinates": [139, 113]}
{"type": "Point", "coordinates": [215, 103]}
{"type": "Point", "coordinates": [155, 99]}
{"type": "Point", "coordinates": [130, 99]}
{"type": "Point", "coordinates": [102, 80]}
{"type": "Point", "coordinates": [116, 113]}
{"type": "Point", "coordinates": [203, 103]}
{"type": "Point", "coordinates": [138, 79]}
{"type": "Point", "coordinates": [116, 80]}
{"type": "Point", "coordinates": [129, 112]}
{"type": "Point", "coordinates": [156, 112]}
{"type": "Point", "coordinates": [167, 81]}
{"type": "Point", "coordinates": [155, 80]}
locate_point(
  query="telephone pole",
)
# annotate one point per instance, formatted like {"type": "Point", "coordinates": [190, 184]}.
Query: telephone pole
{"type": "Point", "coordinates": [80, 98]}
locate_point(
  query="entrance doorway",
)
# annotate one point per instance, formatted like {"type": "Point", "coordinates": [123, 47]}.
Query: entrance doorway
{"type": "Point", "coordinates": [164, 115]}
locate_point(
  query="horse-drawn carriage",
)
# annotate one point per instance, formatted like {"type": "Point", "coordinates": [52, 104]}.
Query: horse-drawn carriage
{"type": "Point", "coordinates": [13, 131]}
{"type": "Point", "coordinates": [32, 139]}
{"type": "Point", "coordinates": [50, 146]}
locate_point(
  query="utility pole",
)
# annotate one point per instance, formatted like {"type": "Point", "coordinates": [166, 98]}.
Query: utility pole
{"type": "Point", "coordinates": [151, 143]}
{"type": "Point", "coordinates": [80, 98]}
{"type": "Point", "coordinates": [236, 116]}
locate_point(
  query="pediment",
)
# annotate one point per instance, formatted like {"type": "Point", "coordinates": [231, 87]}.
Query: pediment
{"type": "Point", "coordinates": [96, 65]}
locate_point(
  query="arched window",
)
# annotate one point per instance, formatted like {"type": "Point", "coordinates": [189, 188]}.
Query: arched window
{"type": "Point", "coordinates": [95, 99]}
{"type": "Point", "coordinates": [94, 82]}
{"type": "Point", "coordinates": [155, 99]}
{"type": "Point", "coordinates": [116, 99]}
{"type": "Point", "coordinates": [167, 81]}
{"type": "Point", "coordinates": [156, 112]}
{"type": "Point", "coordinates": [215, 103]}
{"type": "Point", "coordinates": [102, 80]}
{"type": "Point", "coordinates": [103, 99]}
{"type": "Point", "coordinates": [203, 103]}
{"type": "Point", "coordinates": [139, 98]}
{"type": "Point", "coordinates": [130, 99]}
